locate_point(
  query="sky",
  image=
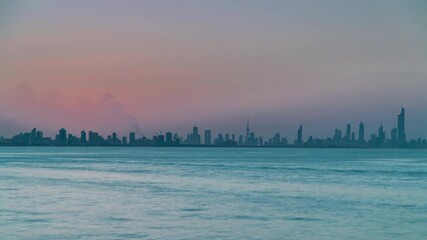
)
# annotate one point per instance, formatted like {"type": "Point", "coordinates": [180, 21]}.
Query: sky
{"type": "Point", "coordinates": [157, 66]}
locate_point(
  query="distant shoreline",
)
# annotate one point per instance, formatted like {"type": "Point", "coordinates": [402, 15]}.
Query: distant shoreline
{"type": "Point", "coordinates": [212, 146]}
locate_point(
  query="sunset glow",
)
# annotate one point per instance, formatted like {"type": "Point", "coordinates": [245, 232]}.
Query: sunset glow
{"type": "Point", "coordinates": [139, 66]}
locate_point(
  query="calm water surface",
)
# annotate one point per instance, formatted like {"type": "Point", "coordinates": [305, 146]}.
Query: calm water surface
{"type": "Point", "coordinates": [212, 193]}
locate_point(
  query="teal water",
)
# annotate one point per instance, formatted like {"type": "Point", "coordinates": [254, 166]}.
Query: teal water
{"type": "Point", "coordinates": [212, 193]}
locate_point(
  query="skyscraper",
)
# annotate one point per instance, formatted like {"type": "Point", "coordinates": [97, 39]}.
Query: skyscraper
{"type": "Point", "coordinates": [169, 138]}
{"type": "Point", "coordinates": [337, 135]}
{"type": "Point", "coordinates": [62, 137]}
{"type": "Point", "coordinates": [299, 137]}
{"type": "Point", "coordinates": [401, 135]}
{"type": "Point", "coordinates": [83, 137]}
{"type": "Point", "coordinates": [393, 135]}
{"type": "Point", "coordinates": [252, 140]}
{"type": "Point", "coordinates": [276, 139]}
{"type": "Point", "coordinates": [39, 138]}
{"type": "Point", "coordinates": [247, 132]}
{"type": "Point", "coordinates": [33, 136]}
{"type": "Point", "coordinates": [91, 137]}
{"type": "Point", "coordinates": [347, 132]}
{"type": "Point", "coordinates": [132, 138]}
{"type": "Point", "coordinates": [195, 136]}
{"type": "Point", "coordinates": [227, 137]}
{"type": "Point", "coordinates": [161, 139]}
{"type": "Point", "coordinates": [208, 140]}
{"type": "Point", "coordinates": [361, 132]}
{"type": "Point", "coordinates": [220, 139]}
{"type": "Point", "coordinates": [381, 136]}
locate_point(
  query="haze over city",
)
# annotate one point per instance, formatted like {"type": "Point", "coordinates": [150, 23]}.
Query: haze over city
{"type": "Point", "coordinates": [150, 66]}
{"type": "Point", "coordinates": [213, 119]}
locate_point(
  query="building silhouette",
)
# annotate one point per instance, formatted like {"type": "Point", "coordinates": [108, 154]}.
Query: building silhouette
{"type": "Point", "coordinates": [169, 138]}
{"type": "Point", "coordinates": [299, 136]}
{"type": "Point", "coordinates": [208, 139]}
{"type": "Point", "coordinates": [196, 136]}
{"type": "Point", "coordinates": [401, 135]}
{"type": "Point", "coordinates": [381, 136]}
{"type": "Point", "coordinates": [362, 133]}
{"type": "Point", "coordinates": [83, 139]}
{"type": "Point", "coordinates": [347, 133]}
{"type": "Point", "coordinates": [247, 139]}
{"type": "Point", "coordinates": [132, 138]}
{"type": "Point", "coordinates": [393, 136]}
{"type": "Point", "coordinates": [62, 137]}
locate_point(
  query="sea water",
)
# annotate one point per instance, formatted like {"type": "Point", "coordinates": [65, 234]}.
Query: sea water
{"type": "Point", "coordinates": [212, 193]}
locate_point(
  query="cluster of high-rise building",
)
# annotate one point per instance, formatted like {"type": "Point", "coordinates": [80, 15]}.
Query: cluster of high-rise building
{"type": "Point", "coordinates": [348, 139]}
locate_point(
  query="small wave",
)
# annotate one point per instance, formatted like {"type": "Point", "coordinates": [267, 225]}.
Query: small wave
{"type": "Point", "coordinates": [36, 220]}
{"type": "Point", "coordinates": [131, 235]}
{"type": "Point", "coordinates": [8, 189]}
{"type": "Point", "coordinates": [193, 209]}
{"type": "Point", "coordinates": [117, 219]}
{"type": "Point", "coordinates": [246, 217]}
{"type": "Point", "coordinates": [304, 219]}
{"type": "Point", "coordinates": [21, 212]}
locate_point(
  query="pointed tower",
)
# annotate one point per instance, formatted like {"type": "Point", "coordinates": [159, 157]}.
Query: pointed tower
{"type": "Point", "coordinates": [247, 127]}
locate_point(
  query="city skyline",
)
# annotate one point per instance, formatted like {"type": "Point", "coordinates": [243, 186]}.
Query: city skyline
{"type": "Point", "coordinates": [342, 139]}
{"type": "Point", "coordinates": [171, 64]}
{"type": "Point", "coordinates": [213, 119]}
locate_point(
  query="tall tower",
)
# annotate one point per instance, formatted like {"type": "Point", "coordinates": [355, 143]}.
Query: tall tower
{"type": "Point", "coordinates": [394, 135]}
{"type": "Point", "coordinates": [196, 136]}
{"type": "Point", "coordinates": [83, 137]}
{"type": "Point", "coordinates": [247, 132]}
{"type": "Point", "coordinates": [401, 135]}
{"type": "Point", "coordinates": [247, 127]}
{"type": "Point", "coordinates": [348, 132]}
{"type": "Point", "coordinates": [208, 140]}
{"type": "Point", "coordinates": [62, 136]}
{"type": "Point", "coordinates": [361, 132]}
{"type": "Point", "coordinates": [299, 137]}
{"type": "Point", "coordinates": [381, 136]}
{"type": "Point", "coordinates": [131, 138]}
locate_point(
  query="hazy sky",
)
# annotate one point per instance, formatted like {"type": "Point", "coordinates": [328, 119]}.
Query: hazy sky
{"type": "Point", "coordinates": [151, 66]}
